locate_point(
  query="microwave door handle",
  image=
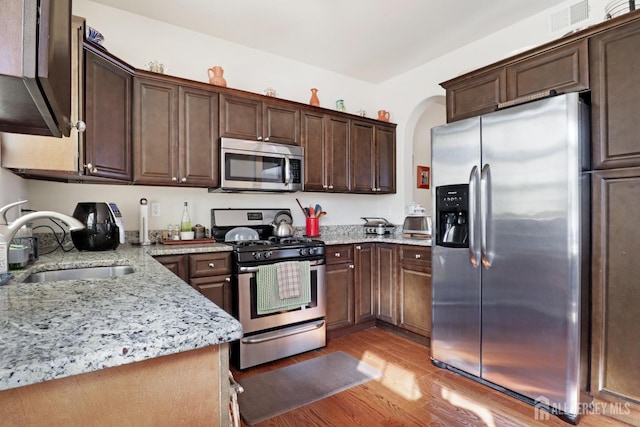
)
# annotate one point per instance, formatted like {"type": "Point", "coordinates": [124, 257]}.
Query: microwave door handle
{"type": "Point", "coordinates": [287, 171]}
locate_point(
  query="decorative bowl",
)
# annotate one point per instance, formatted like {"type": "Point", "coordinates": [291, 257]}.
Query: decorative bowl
{"type": "Point", "coordinates": [94, 35]}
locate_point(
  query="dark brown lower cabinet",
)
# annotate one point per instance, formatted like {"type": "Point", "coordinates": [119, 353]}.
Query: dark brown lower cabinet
{"type": "Point", "coordinates": [340, 283]}
{"type": "Point", "coordinates": [209, 273]}
{"type": "Point", "coordinates": [385, 284]}
{"type": "Point", "coordinates": [177, 264]}
{"type": "Point", "coordinates": [615, 358]}
{"type": "Point", "coordinates": [414, 289]}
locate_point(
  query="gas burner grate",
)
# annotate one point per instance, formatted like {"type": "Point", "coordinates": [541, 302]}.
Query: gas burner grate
{"type": "Point", "coordinates": [245, 243]}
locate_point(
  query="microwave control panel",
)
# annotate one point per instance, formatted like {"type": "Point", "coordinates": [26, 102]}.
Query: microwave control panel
{"type": "Point", "coordinates": [296, 171]}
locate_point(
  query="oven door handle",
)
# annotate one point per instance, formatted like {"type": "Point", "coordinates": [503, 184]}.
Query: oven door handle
{"type": "Point", "coordinates": [274, 335]}
{"type": "Point", "coordinates": [255, 268]}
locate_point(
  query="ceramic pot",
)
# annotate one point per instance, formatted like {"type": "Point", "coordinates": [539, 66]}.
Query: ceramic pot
{"type": "Point", "coordinates": [383, 115]}
{"type": "Point", "coordinates": [314, 98]}
{"type": "Point", "coordinates": [215, 76]}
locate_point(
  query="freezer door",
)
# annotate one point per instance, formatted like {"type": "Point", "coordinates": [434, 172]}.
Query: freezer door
{"type": "Point", "coordinates": [531, 277]}
{"type": "Point", "coordinates": [455, 334]}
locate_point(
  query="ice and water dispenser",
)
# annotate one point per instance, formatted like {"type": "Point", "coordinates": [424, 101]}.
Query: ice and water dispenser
{"type": "Point", "coordinates": [452, 213]}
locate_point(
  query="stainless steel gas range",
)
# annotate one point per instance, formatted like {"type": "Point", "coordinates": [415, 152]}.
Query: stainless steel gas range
{"type": "Point", "coordinates": [274, 325]}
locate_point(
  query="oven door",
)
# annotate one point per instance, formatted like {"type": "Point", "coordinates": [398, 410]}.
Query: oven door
{"type": "Point", "coordinates": [246, 308]}
{"type": "Point", "coordinates": [247, 165]}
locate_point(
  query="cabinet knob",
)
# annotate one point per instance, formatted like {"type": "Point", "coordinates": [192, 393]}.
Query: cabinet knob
{"type": "Point", "coordinates": [373, 189]}
{"type": "Point", "coordinates": [183, 180]}
{"type": "Point", "coordinates": [417, 256]}
{"type": "Point", "coordinates": [325, 186]}
{"type": "Point", "coordinates": [80, 125]}
{"type": "Point", "coordinates": [267, 139]}
{"type": "Point", "coordinates": [174, 179]}
{"type": "Point", "coordinates": [212, 265]}
{"type": "Point", "coordinates": [337, 254]}
{"type": "Point", "coordinates": [352, 266]}
{"type": "Point", "coordinates": [358, 247]}
{"type": "Point", "coordinates": [91, 168]}
{"type": "Point", "coordinates": [227, 279]}
{"type": "Point", "coordinates": [331, 187]}
{"type": "Point", "coordinates": [259, 138]}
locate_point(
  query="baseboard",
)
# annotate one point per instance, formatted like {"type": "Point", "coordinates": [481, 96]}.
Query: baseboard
{"type": "Point", "coordinates": [403, 333]}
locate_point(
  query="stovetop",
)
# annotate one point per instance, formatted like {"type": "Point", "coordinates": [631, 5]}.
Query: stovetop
{"type": "Point", "coordinates": [266, 248]}
{"type": "Point", "coordinates": [290, 248]}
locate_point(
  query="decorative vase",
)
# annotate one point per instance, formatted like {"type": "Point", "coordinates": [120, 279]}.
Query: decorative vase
{"type": "Point", "coordinates": [314, 98]}
{"type": "Point", "coordinates": [215, 76]}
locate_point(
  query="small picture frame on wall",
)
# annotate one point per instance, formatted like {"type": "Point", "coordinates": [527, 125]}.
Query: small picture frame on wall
{"type": "Point", "coordinates": [424, 177]}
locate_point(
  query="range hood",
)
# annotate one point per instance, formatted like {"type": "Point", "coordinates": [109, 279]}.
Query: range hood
{"type": "Point", "coordinates": [35, 71]}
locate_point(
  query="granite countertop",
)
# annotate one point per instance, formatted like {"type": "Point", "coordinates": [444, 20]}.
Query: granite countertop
{"type": "Point", "coordinates": [347, 239]}
{"type": "Point", "coordinates": [58, 329]}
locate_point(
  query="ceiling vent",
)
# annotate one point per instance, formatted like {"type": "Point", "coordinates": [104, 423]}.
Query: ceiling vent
{"type": "Point", "coordinates": [571, 18]}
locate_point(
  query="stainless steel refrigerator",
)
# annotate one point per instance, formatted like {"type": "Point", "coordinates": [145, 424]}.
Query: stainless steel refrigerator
{"type": "Point", "coordinates": [511, 251]}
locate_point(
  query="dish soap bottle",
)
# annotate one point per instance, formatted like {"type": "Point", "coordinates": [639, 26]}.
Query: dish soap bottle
{"type": "Point", "coordinates": [185, 223]}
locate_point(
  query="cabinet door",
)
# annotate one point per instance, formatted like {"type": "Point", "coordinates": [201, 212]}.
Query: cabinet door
{"type": "Point", "coordinates": [475, 95]}
{"type": "Point", "coordinates": [177, 264]}
{"type": "Point", "coordinates": [615, 105]}
{"type": "Point", "coordinates": [217, 289]}
{"type": "Point", "coordinates": [385, 287]}
{"type": "Point", "coordinates": [364, 262]}
{"type": "Point", "coordinates": [199, 143]}
{"type": "Point", "coordinates": [281, 123]}
{"type": "Point", "coordinates": [107, 106]}
{"type": "Point", "coordinates": [414, 289]}
{"type": "Point", "coordinates": [564, 69]}
{"type": "Point", "coordinates": [155, 132]}
{"type": "Point", "coordinates": [385, 159]}
{"type": "Point", "coordinates": [340, 295]}
{"type": "Point", "coordinates": [615, 317]}
{"type": "Point", "coordinates": [313, 142]}
{"type": "Point", "coordinates": [363, 158]}
{"type": "Point", "coordinates": [338, 155]}
{"type": "Point", "coordinates": [240, 117]}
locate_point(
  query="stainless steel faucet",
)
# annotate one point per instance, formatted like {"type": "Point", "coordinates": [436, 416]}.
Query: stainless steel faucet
{"type": "Point", "coordinates": [7, 231]}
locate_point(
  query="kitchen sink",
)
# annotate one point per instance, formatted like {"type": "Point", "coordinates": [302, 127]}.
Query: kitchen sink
{"type": "Point", "coordinates": [86, 273]}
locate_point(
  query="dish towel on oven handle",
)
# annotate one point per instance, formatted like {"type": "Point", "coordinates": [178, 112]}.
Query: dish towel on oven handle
{"type": "Point", "coordinates": [269, 283]}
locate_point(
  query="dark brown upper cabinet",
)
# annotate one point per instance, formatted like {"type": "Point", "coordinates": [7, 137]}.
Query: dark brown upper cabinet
{"type": "Point", "coordinates": [325, 138]}
{"type": "Point", "coordinates": [561, 69]}
{"type": "Point", "coordinates": [253, 118]}
{"type": "Point", "coordinates": [175, 132]}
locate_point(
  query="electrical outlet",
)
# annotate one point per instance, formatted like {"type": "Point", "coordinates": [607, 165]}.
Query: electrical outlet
{"type": "Point", "coordinates": [155, 209]}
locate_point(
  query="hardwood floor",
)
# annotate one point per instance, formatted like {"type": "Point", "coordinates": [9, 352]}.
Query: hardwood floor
{"type": "Point", "coordinates": [412, 392]}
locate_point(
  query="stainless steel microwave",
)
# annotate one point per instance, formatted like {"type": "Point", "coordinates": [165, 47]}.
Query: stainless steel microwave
{"type": "Point", "coordinates": [260, 166]}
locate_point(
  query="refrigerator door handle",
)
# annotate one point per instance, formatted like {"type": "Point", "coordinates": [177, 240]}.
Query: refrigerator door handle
{"type": "Point", "coordinates": [485, 217]}
{"type": "Point", "coordinates": [474, 218]}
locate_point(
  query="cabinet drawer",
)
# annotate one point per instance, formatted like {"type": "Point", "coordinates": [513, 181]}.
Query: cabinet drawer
{"type": "Point", "coordinates": [209, 264]}
{"type": "Point", "coordinates": [415, 255]}
{"type": "Point", "coordinates": [339, 254]}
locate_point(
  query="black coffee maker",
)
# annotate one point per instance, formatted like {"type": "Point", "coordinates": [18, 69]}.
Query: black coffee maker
{"type": "Point", "coordinates": [452, 213]}
{"type": "Point", "coordinates": [101, 233]}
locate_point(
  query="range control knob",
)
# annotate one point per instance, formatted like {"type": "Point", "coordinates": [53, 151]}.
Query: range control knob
{"type": "Point", "coordinates": [304, 251]}
{"type": "Point", "coordinates": [257, 255]}
{"type": "Point", "coordinates": [267, 254]}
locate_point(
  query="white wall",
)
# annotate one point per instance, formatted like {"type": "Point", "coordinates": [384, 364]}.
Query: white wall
{"type": "Point", "coordinates": [188, 54]}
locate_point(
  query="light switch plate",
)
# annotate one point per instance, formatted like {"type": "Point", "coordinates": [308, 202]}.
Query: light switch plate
{"type": "Point", "coordinates": [155, 209]}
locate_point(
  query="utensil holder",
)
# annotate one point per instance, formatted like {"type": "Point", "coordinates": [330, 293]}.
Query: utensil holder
{"type": "Point", "coordinates": [313, 227]}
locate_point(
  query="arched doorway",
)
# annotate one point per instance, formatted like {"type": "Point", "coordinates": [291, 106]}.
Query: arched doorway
{"type": "Point", "coordinates": [429, 113]}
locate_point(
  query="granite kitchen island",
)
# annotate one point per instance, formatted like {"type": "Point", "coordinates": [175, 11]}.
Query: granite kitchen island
{"type": "Point", "coordinates": [145, 347]}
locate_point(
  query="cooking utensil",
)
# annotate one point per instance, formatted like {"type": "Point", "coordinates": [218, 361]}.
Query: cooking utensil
{"type": "Point", "coordinates": [312, 212]}
{"type": "Point", "coordinates": [304, 210]}
{"type": "Point", "coordinates": [318, 209]}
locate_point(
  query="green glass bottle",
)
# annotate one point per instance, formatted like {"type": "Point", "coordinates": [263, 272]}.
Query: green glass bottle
{"type": "Point", "coordinates": [185, 223]}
